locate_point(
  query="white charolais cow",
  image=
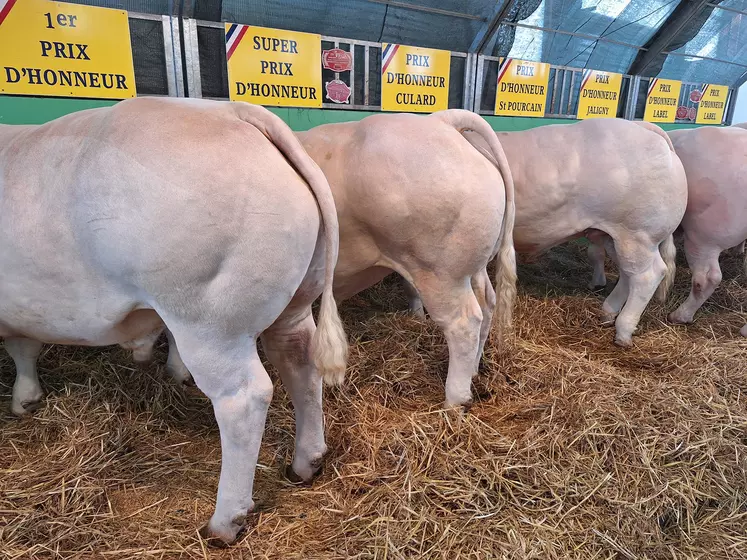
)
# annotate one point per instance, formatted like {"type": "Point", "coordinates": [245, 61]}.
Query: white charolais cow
{"type": "Point", "coordinates": [206, 215]}
{"type": "Point", "coordinates": [614, 181]}
{"type": "Point", "coordinates": [715, 160]}
{"type": "Point", "coordinates": [413, 196]}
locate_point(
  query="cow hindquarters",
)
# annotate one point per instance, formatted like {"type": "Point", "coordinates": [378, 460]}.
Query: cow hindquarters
{"type": "Point", "coordinates": [288, 347]}
{"type": "Point", "coordinates": [27, 391]}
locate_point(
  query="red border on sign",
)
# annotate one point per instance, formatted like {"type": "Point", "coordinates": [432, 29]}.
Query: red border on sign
{"type": "Point", "coordinates": [6, 10]}
{"type": "Point", "coordinates": [237, 41]}
{"type": "Point", "coordinates": [503, 70]}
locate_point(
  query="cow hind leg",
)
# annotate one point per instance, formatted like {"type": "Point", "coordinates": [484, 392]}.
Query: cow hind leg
{"type": "Point", "coordinates": [642, 264]}
{"type": "Point", "coordinates": [485, 295]}
{"type": "Point", "coordinates": [619, 295]}
{"type": "Point", "coordinates": [706, 276]}
{"type": "Point", "coordinates": [456, 310]}
{"type": "Point", "coordinates": [27, 391]}
{"type": "Point", "coordinates": [228, 370]}
{"type": "Point", "coordinates": [287, 345]}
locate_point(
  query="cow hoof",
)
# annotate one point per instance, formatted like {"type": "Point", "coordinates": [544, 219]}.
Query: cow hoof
{"type": "Point", "coordinates": [607, 320]}
{"type": "Point", "coordinates": [298, 480]}
{"type": "Point", "coordinates": [25, 408]}
{"type": "Point", "coordinates": [461, 408]}
{"type": "Point", "coordinates": [189, 382]}
{"type": "Point", "coordinates": [743, 331]}
{"type": "Point", "coordinates": [418, 312]}
{"type": "Point", "coordinates": [624, 342]}
{"type": "Point", "coordinates": [678, 320]}
{"type": "Point", "coordinates": [317, 468]}
{"type": "Point", "coordinates": [223, 536]}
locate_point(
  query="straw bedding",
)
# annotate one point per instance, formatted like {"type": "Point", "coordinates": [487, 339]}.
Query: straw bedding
{"type": "Point", "coordinates": [573, 449]}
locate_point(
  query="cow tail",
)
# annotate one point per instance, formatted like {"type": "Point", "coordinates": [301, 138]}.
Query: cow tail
{"type": "Point", "coordinates": [505, 273]}
{"type": "Point", "coordinates": [656, 130]}
{"type": "Point", "coordinates": [668, 253]}
{"type": "Point", "coordinates": [329, 346]}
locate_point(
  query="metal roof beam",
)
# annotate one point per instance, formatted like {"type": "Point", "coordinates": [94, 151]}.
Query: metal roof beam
{"type": "Point", "coordinates": [491, 25]}
{"type": "Point", "coordinates": [727, 8]}
{"type": "Point", "coordinates": [675, 23]}
{"type": "Point", "coordinates": [740, 81]}
{"type": "Point", "coordinates": [597, 38]}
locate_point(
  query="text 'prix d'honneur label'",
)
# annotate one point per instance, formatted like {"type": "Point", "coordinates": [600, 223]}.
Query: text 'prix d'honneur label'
{"type": "Point", "coordinates": [599, 94]}
{"type": "Point", "coordinates": [414, 79]}
{"type": "Point", "coordinates": [662, 100]}
{"type": "Point", "coordinates": [712, 104]}
{"type": "Point", "coordinates": [273, 66]}
{"type": "Point", "coordinates": [53, 48]}
{"type": "Point", "coordinates": [522, 88]}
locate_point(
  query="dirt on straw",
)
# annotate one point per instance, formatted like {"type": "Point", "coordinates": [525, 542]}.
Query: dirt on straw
{"type": "Point", "coordinates": [574, 449]}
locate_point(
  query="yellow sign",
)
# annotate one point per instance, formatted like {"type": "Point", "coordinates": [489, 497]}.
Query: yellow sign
{"type": "Point", "coordinates": [599, 95]}
{"type": "Point", "coordinates": [274, 66]}
{"type": "Point", "coordinates": [414, 79]}
{"type": "Point", "coordinates": [662, 100]}
{"type": "Point", "coordinates": [522, 88]}
{"type": "Point", "coordinates": [712, 104]}
{"type": "Point", "coordinates": [53, 48]}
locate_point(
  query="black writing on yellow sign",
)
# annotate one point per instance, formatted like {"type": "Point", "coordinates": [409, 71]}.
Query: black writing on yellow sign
{"type": "Point", "coordinates": [662, 100]}
{"type": "Point", "coordinates": [516, 106]}
{"type": "Point", "coordinates": [712, 104]}
{"type": "Point", "coordinates": [276, 68]}
{"type": "Point", "coordinates": [69, 78]}
{"type": "Point", "coordinates": [68, 51]}
{"type": "Point", "coordinates": [665, 88]}
{"type": "Point", "coordinates": [424, 99]}
{"type": "Point", "coordinates": [272, 44]}
{"type": "Point", "coordinates": [400, 78]}
{"type": "Point", "coordinates": [274, 90]}
{"type": "Point", "coordinates": [598, 94]}
{"type": "Point", "coordinates": [597, 110]}
{"type": "Point", "coordinates": [528, 89]}
{"type": "Point", "coordinates": [601, 79]}
{"type": "Point", "coordinates": [63, 20]}
{"type": "Point", "coordinates": [65, 50]}
{"type": "Point", "coordinates": [660, 114]}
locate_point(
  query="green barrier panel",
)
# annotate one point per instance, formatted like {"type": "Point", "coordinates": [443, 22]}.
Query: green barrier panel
{"type": "Point", "coordinates": [38, 110]}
